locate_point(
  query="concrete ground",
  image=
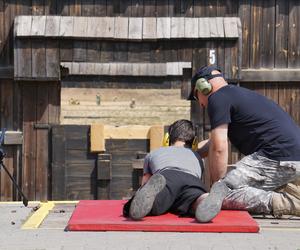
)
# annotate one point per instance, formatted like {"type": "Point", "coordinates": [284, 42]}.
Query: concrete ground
{"type": "Point", "coordinates": [50, 234]}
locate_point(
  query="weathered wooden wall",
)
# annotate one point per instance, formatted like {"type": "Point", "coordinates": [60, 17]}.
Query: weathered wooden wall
{"type": "Point", "coordinates": [79, 174]}
{"type": "Point", "coordinates": [270, 40]}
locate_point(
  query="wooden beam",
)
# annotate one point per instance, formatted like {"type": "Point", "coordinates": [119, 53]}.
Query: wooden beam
{"type": "Point", "coordinates": [270, 75]}
{"type": "Point", "coordinates": [100, 132]}
{"type": "Point", "coordinates": [126, 132]}
{"type": "Point", "coordinates": [126, 69]}
{"type": "Point", "coordinates": [97, 138]}
{"type": "Point", "coordinates": [126, 28]}
{"type": "Point", "coordinates": [156, 136]}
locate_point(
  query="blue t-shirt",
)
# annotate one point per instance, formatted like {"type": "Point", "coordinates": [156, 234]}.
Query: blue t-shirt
{"type": "Point", "coordinates": [255, 123]}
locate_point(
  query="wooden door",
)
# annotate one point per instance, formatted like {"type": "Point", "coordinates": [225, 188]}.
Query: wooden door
{"type": "Point", "coordinates": [40, 109]}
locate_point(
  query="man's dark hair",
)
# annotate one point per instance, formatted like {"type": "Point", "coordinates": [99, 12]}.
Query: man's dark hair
{"type": "Point", "coordinates": [182, 130]}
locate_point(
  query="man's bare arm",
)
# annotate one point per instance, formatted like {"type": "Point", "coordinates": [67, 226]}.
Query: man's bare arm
{"type": "Point", "coordinates": [218, 152]}
{"type": "Point", "coordinates": [145, 178]}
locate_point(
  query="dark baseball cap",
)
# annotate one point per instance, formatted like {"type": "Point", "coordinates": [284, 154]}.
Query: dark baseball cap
{"type": "Point", "coordinates": [203, 72]}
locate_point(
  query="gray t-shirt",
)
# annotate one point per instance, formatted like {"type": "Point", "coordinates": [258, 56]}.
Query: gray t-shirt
{"type": "Point", "coordinates": [173, 157]}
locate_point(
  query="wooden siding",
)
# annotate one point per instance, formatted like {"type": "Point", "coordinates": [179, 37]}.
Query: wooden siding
{"type": "Point", "coordinates": [270, 39]}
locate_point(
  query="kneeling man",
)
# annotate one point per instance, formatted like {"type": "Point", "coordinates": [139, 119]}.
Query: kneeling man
{"type": "Point", "coordinates": [172, 181]}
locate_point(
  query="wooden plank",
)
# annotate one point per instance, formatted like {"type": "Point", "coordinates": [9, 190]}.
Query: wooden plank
{"type": "Point", "coordinates": [160, 69]}
{"type": "Point", "coordinates": [121, 28]}
{"type": "Point", "coordinates": [124, 69]}
{"type": "Point", "coordinates": [97, 138]}
{"type": "Point", "coordinates": [52, 26]}
{"type": "Point", "coordinates": [204, 29]}
{"type": "Point", "coordinates": [87, 8]}
{"type": "Point", "coordinates": [38, 26]}
{"type": "Point", "coordinates": [100, 7]}
{"type": "Point", "coordinates": [66, 26]}
{"type": "Point", "coordinates": [75, 7]}
{"type": "Point", "coordinates": [38, 59]}
{"type": "Point", "coordinates": [23, 25]}
{"type": "Point", "coordinates": [107, 51]}
{"type": "Point", "coordinates": [230, 27]}
{"type": "Point", "coordinates": [91, 31]}
{"type": "Point", "coordinates": [102, 68]}
{"type": "Point", "coordinates": [66, 50]}
{"type": "Point", "coordinates": [93, 51]}
{"type": "Point", "coordinates": [163, 28]}
{"type": "Point", "coordinates": [213, 27]}
{"type": "Point", "coordinates": [79, 51]}
{"type": "Point", "coordinates": [120, 52]}
{"type": "Point", "coordinates": [294, 30]}
{"type": "Point", "coordinates": [268, 31]}
{"type": "Point", "coordinates": [135, 28]}
{"type": "Point", "coordinates": [38, 8]}
{"type": "Point", "coordinates": [29, 148]}
{"type": "Point", "coordinates": [6, 104]}
{"type": "Point", "coordinates": [80, 26]}
{"type": "Point", "coordinates": [270, 75]}
{"type": "Point", "coordinates": [173, 68]}
{"type": "Point", "coordinates": [177, 27]}
{"type": "Point", "coordinates": [149, 28]}
{"type": "Point", "coordinates": [281, 34]}
{"type": "Point", "coordinates": [137, 8]}
{"type": "Point", "coordinates": [141, 69]}
{"type": "Point", "coordinates": [42, 150]}
{"type": "Point", "coordinates": [54, 103]}
{"type": "Point", "coordinates": [107, 26]}
{"type": "Point", "coordinates": [256, 34]}
{"type": "Point", "coordinates": [52, 59]}
{"type": "Point", "coordinates": [220, 26]}
{"type": "Point", "coordinates": [191, 29]}
{"type": "Point", "coordinates": [245, 15]}
{"type": "Point", "coordinates": [156, 136]}
{"type": "Point", "coordinates": [162, 8]}
{"type": "Point", "coordinates": [149, 8]}
{"type": "Point", "coordinates": [128, 132]}
{"type": "Point", "coordinates": [2, 33]}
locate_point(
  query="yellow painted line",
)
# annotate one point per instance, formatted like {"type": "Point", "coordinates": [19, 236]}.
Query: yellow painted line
{"type": "Point", "coordinates": [37, 218]}
{"type": "Point", "coordinates": [65, 202]}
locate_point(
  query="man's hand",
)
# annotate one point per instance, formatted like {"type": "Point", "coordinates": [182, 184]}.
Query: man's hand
{"type": "Point", "coordinates": [218, 152]}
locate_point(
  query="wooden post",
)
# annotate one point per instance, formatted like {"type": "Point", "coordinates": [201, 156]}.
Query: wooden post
{"type": "Point", "coordinates": [156, 136]}
{"type": "Point", "coordinates": [97, 138]}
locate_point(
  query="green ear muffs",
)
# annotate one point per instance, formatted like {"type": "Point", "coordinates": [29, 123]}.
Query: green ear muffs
{"type": "Point", "coordinates": [203, 86]}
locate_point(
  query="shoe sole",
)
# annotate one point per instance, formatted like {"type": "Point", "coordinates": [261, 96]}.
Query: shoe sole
{"type": "Point", "coordinates": [212, 204]}
{"type": "Point", "coordinates": [144, 198]}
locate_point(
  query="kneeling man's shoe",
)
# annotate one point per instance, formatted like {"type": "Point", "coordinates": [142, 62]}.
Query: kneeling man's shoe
{"type": "Point", "coordinates": [143, 200]}
{"type": "Point", "coordinates": [285, 204]}
{"type": "Point", "coordinates": [212, 204]}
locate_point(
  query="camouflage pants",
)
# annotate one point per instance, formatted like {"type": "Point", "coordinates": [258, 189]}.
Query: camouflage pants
{"type": "Point", "coordinates": [253, 181]}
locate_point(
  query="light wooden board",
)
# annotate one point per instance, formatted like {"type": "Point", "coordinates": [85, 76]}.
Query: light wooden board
{"type": "Point", "coordinates": [132, 28]}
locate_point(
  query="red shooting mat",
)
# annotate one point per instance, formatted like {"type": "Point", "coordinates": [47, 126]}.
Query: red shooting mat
{"type": "Point", "coordinates": [106, 215]}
